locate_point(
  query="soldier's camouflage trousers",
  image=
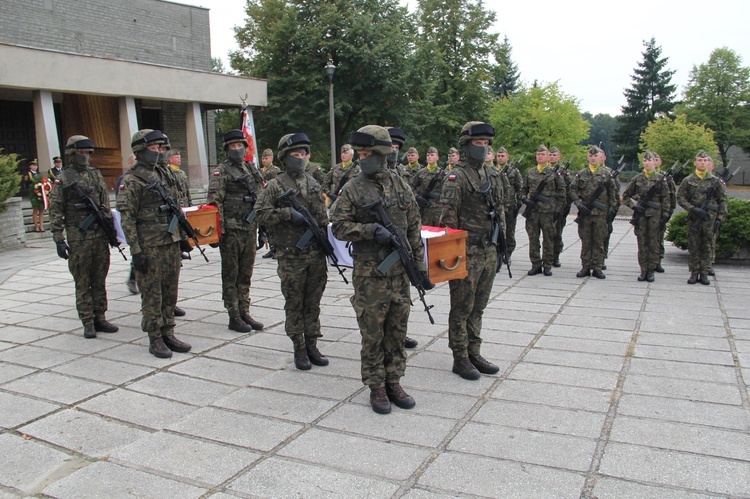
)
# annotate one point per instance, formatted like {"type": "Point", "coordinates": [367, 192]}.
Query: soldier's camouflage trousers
{"type": "Point", "coordinates": [559, 227]}
{"type": "Point", "coordinates": [593, 232]}
{"type": "Point", "coordinates": [303, 280]}
{"type": "Point", "coordinates": [159, 289]}
{"type": "Point", "coordinates": [237, 249]}
{"type": "Point", "coordinates": [469, 297]}
{"type": "Point", "coordinates": [700, 241]}
{"type": "Point", "coordinates": [89, 265]}
{"type": "Point", "coordinates": [382, 305]}
{"type": "Point", "coordinates": [648, 236]}
{"type": "Point", "coordinates": [541, 224]}
{"type": "Point", "coordinates": [510, 229]}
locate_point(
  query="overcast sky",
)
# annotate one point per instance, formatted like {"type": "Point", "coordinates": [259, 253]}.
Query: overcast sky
{"type": "Point", "coordinates": [589, 47]}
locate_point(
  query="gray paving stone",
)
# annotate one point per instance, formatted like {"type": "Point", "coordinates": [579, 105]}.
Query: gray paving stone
{"type": "Point", "coordinates": [132, 353]}
{"type": "Point", "coordinates": [589, 333]}
{"type": "Point", "coordinates": [570, 397]}
{"type": "Point", "coordinates": [103, 479]}
{"type": "Point", "coordinates": [107, 371]}
{"type": "Point", "coordinates": [684, 329]}
{"type": "Point", "coordinates": [356, 454]}
{"type": "Point", "coordinates": [41, 358]}
{"type": "Point", "coordinates": [229, 373]}
{"type": "Point", "coordinates": [683, 389]}
{"type": "Point", "coordinates": [615, 487]}
{"type": "Point", "coordinates": [22, 335]}
{"type": "Point", "coordinates": [82, 432]}
{"type": "Point", "coordinates": [133, 407]}
{"type": "Point", "coordinates": [287, 406]}
{"type": "Point", "coordinates": [77, 344]}
{"type": "Point", "coordinates": [482, 476]}
{"type": "Point", "coordinates": [710, 474]}
{"type": "Point", "coordinates": [57, 324]}
{"type": "Point", "coordinates": [685, 411]}
{"type": "Point", "coordinates": [574, 359]}
{"type": "Point", "coordinates": [277, 477]}
{"type": "Point", "coordinates": [429, 403]}
{"type": "Point", "coordinates": [682, 370]}
{"type": "Point", "coordinates": [684, 341]}
{"type": "Point", "coordinates": [562, 451]}
{"type": "Point", "coordinates": [607, 312]}
{"type": "Point", "coordinates": [571, 376]}
{"type": "Point", "coordinates": [581, 345]}
{"type": "Point", "coordinates": [17, 409]}
{"type": "Point", "coordinates": [668, 321]}
{"type": "Point", "coordinates": [274, 341]}
{"type": "Point", "coordinates": [682, 437]}
{"type": "Point", "coordinates": [419, 493]}
{"type": "Point", "coordinates": [26, 464]}
{"type": "Point", "coordinates": [235, 428]}
{"type": "Point", "coordinates": [596, 322]}
{"type": "Point", "coordinates": [10, 372]}
{"type": "Point", "coordinates": [56, 387]}
{"type": "Point", "coordinates": [9, 317]}
{"type": "Point", "coordinates": [182, 388]}
{"type": "Point", "coordinates": [197, 460]}
{"type": "Point", "coordinates": [684, 354]}
{"type": "Point", "coordinates": [310, 383]}
{"type": "Point", "coordinates": [260, 357]}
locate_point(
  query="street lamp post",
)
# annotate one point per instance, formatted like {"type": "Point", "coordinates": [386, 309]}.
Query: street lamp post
{"type": "Point", "coordinates": [330, 69]}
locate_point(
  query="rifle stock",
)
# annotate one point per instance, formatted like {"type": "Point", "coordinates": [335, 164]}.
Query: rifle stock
{"type": "Point", "coordinates": [178, 216]}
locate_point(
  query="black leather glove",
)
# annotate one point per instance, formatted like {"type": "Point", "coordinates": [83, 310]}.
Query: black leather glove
{"type": "Point", "coordinates": [297, 217]}
{"type": "Point", "coordinates": [531, 204]}
{"type": "Point", "coordinates": [381, 235]}
{"type": "Point", "coordinates": [717, 225]}
{"type": "Point", "coordinates": [698, 212]}
{"type": "Point", "coordinates": [421, 201]}
{"type": "Point", "coordinates": [140, 263]}
{"type": "Point", "coordinates": [639, 209]}
{"type": "Point", "coordinates": [426, 283]}
{"type": "Point", "coordinates": [63, 250]}
{"type": "Point", "coordinates": [185, 246]}
{"type": "Point", "coordinates": [583, 210]}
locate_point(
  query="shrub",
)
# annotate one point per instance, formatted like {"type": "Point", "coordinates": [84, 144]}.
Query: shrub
{"type": "Point", "coordinates": [734, 234]}
{"type": "Point", "coordinates": [10, 180]}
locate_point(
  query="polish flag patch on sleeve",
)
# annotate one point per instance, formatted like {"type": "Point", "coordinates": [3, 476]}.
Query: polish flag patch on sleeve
{"type": "Point", "coordinates": [452, 177]}
{"type": "Point", "coordinates": [217, 173]}
{"type": "Point", "coordinates": [57, 181]}
{"type": "Point", "coordinates": [122, 187]}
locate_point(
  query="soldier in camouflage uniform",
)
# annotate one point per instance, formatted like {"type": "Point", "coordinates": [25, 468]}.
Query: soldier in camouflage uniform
{"type": "Point", "coordinates": [542, 211]}
{"type": "Point", "coordinates": [562, 219]}
{"type": "Point", "coordinates": [704, 196]}
{"type": "Point", "coordinates": [427, 183]}
{"type": "Point", "coordinates": [314, 170]}
{"type": "Point", "coordinates": [592, 213]}
{"type": "Point", "coordinates": [269, 171]}
{"type": "Point", "coordinates": [381, 300]}
{"type": "Point", "coordinates": [613, 209]}
{"type": "Point", "coordinates": [303, 272]}
{"type": "Point", "coordinates": [398, 137]}
{"type": "Point", "coordinates": [512, 200]}
{"type": "Point", "coordinates": [340, 174]}
{"type": "Point", "coordinates": [466, 207]}
{"type": "Point", "coordinates": [233, 189]}
{"type": "Point", "coordinates": [154, 241]}
{"type": "Point", "coordinates": [672, 187]}
{"type": "Point", "coordinates": [453, 157]}
{"type": "Point", "coordinates": [87, 251]}
{"type": "Point", "coordinates": [648, 196]}
{"type": "Point", "coordinates": [412, 156]}
{"type": "Point", "coordinates": [174, 158]}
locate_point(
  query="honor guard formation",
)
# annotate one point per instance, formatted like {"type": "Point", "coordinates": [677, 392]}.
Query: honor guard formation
{"type": "Point", "coordinates": [376, 207]}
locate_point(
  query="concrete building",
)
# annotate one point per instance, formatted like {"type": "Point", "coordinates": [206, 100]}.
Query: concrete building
{"type": "Point", "coordinates": [107, 68]}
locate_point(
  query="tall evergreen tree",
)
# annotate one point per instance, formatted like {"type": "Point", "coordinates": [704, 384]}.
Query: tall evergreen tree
{"type": "Point", "coordinates": [651, 95]}
{"type": "Point", "coordinates": [505, 73]}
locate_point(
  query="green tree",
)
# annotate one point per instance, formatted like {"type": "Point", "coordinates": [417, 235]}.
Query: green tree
{"type": "Point", "coordinates": [540, 115]}
{"type": "Point", "coordinates": [289, 43]}
{"type": "Point", "coordinates": [677, 140]}
{"type": "Point", "coordinates": [10, 180]}
{"type": "Point", "coordinates": [505, 74]}
{"type": "Point", "coordinates": [603, 127]}
{"type": "Point", "coordinates": [651, 96]}
{"type": "Point", "coordinates": [718, 95]}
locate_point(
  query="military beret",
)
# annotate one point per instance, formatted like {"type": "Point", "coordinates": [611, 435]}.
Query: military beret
{"type": "Point", "coordinates": [595, 150]}
{"type": "Point", "coordinates": [412, 150]}
{"type": "Point", "coordinates": [34, 162]}
{"type": "Point", "coordinates": [554, 149]}
{"type": "Point", "coordinates": [453, 150]}
{"type": "Point", "coordinates": [173, 152]}
{"type": "Point", "coordinates": [501, 150]}
{"type": "Point", "coordinates": [267, 152]}
{"type": "Point", "coordinates": [397, 135]}
{"type": "Point", "coordinates": [649, 155]}
{"type": "Point", "coordinates": [656, 155]}
{"type": "Point", "coordinates": [346, 147]}
{"type": "Point", "coordinates": [57, 158]}
{"type": "Point", "coordinates": [542, 148]}
{"type": "Point", "coordinates": [432, 150]}
{"type": "Point", "coordinates": [701, 154]}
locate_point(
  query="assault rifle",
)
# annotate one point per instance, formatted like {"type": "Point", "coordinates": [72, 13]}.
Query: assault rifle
{"type": "Point", "coordinates": [592, 202]}
{"type": "Point", "coordinates": [178, 216]}
{"type": "Point", "coordinates": [333, 195]}
{"type": "Point", "coordinates": [95, 216]}
{"type": "Point", "coordinates": [423, 199]}
{"type": "Point", "coordinates": [646, 201]}
{"type": "Point", "coordinates": [400, 252]}
{"type": "Point", "coordinates": [497, 236]}
{"type": "Point", "coordinates": [531, 202]}
{"type": "Point", "coordinates": [313, 230]}
{"type": "Point", "coordinates": [508, 169]}
{"type": "Point", "coordinates": [706, 205]}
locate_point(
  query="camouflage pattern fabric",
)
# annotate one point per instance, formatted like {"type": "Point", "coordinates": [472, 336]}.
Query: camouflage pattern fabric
{"type": "Point", "coordinates": [314, 170]}
{"type": "Point", "coordinates": [647, 232]}
{"type": "Point", "coordinates": [183, 187]}
{"type": "Point", "coordinates": [563, 218]}
{"type": "Point", "coordinates": [512, 199]}
{"type": "Point", "coordinates": [610, 220]}
{"type": "Point", "coordinates": [540, 220]}
{"type": "Point", "coordinates": [593, 229]}
{"type": "Point", "coordinates": [691, 194]}
{"type": "Point", "coordinates": [271, 172]}
{"type": "Point", "coordinates": [672, 205]}
{"type": "Point", "coordinates": [420, 182]}
{"type": "Point", "coordinates": [333, 177]}
{"type": "Point", "coordinates": [158, 289]}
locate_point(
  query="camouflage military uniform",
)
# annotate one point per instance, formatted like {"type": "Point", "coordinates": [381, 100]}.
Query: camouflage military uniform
{"type": "Point", "coordinates": [316, 172]}
{"type": "Point", "coordinates": [613, 209]}
{"type": "Point", "coordinates": [303, 272]}
{"type": "Point", "coordinates": [88, 260]}
{"type": "Point", "coordinates": [381, 302]}
{"type": "Point", "coordinates": [512, 199]}
{"type": "Point", "coordinates": [233, 189]}
{"type": "Point", "coordinates": [427, 183]}
{"type": "Point", "coordinates": [541, 220]}
{"type": "Point", "coordinates": [183, 187]}
{"type": "Point", "coordinates": [593, 229]}
{"type": "Point", "coordinates": [336, 178]}
{"type": "Point", "coordinates": [270, 173]}
{"type": "Point", "coordinates": [691, 194]}
{"type": "Point", "coordinates": [647, 230]}
{"type": "Point", "coordinates": [562, 218]}
{"type": "Point", "coordinates": [672, 187]}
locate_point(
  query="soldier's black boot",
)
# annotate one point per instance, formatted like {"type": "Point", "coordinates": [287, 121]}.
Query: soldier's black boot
{"type": "Point", "coordinates": [711, 272]}
{"type": "Point", "coordinates": [642, 277]}
{"type": "Point", "coordinates": [398, 396]}
{"type": "Point", "coordinates": [693, 278]}
{"type": "Point", "coordinates": [268, 254]}
{"type": "Point", "coordinates": [132, 286]}
{"type": "Point", "coordinates": [483, 365]}
{"type": "Point", "coordinates": [301, 360]}
{"type": "Point", "coordinates": [534, 270]}
{"type": "Point", "coordinates": [237, 324]}
{"type": "Point", "coordinates": [547, 271]}
{"type": "Point", "coordinates": [465, 369]}
{"type": "Point", "coordinates": [703, 279]}
{"type": "Point", "coordinates": [176, 345]}
{"type": "Point", "coordinates": [104, 326]}
{"type": "Point", "coordinates": [247, 319]}
{"type": "Point", "coordinates": [379, 401]}
{"type": "Point", "coordinates": [178, 312]}
{"type": "Point", "coordinates": [659, 268]}
{"type": "Point", "coordinates": [316, 357]}
{"type": "Point", "coordinates": [556, 263]}
{"type": "Point", "coordinates": [89, 331]}
{"type": "Point", "coordinates": [157, 348]}
{"type": "Point", "coordinates": [650, 276]}
{"type": "Point", "coordinates": [584, 272]}
{"type": "Point", "coordinates": [410, 343]}
{"type": "Point", "coordinates": [598, 274]}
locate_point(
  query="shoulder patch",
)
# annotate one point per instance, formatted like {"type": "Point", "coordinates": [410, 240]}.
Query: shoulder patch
{"type": "Point", "coordinates": [57, 181]}
{"type": "Point", "coordinates": [217, 173]}
{"type": "Point", "coordinates": [122, 186]}
{"type": "Point", "coordinates": [451, 177]}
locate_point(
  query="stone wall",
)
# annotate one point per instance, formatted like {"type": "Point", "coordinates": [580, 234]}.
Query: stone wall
{"type": "Point", "coordinates": [12, 235]}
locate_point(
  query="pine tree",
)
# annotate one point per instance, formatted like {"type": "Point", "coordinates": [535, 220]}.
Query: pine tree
{"type": "Point", "coordinates": [506, 73]}
{"type": "Point", "coordinates": [651, 96]}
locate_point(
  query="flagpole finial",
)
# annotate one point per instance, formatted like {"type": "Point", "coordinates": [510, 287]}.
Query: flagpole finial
{"type": "Point", "coordinates": [244, 101]}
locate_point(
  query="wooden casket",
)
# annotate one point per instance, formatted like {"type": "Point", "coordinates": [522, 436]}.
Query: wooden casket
{"type": "Point", "coordinates": [445, 253]}
{"type": "Point", "coordinates": [205, 222]}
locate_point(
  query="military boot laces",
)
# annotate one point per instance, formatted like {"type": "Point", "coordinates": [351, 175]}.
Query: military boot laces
{"type": "Point", "coordinates": [465, 369]}
{"type": "Point", "coordinates": [379, 401]}
{"type": "Point", "coordinates": [703, 279]}
{"type": "Point", "coordinates": [410, 342]}
{"type": "Point", "coordinates": [176, 345]}
{"type": "Point", "coordinates": [316, 357]}
{"type": "Point", "coordinates": [157, 348]}
{"type": "Point", "coordinates": [247, 319]}
{"type": "Point", "coordinates": [693, 278]}
{"type": "Point", "coordinates": [483, 365]}
{"type": "Point", "coordinates": [237, 324]}
{"type": "Point", "coordinates": [398, 396]}
{"type": "Point", "coordinates": [301, 360]}
{"type": "Point", "coordinates": [89, 331]}
{"type": "Point", "coordinates": [104, 326]}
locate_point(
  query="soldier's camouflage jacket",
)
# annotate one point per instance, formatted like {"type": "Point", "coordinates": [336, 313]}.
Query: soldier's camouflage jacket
{"type": "Point", "coordinates": [234, 189]}
{"type": "Point", "coordinates": [584, 185]}
{"type": "Point", "coordinates": [693, 192]}
{"type": "Point", "coordinates": [63, 213]}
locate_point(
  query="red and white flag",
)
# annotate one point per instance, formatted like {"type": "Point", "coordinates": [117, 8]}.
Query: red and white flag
{"type": "Point", "coordinates": [248, 129]}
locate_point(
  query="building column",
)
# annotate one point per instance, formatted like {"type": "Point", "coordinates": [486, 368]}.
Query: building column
{"type": "Point", "coordinates": [128, 126]}
{"type": "Point", "coordinates": [47, 144]}
{"type": "Point", "coordinates": [196, 146]}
